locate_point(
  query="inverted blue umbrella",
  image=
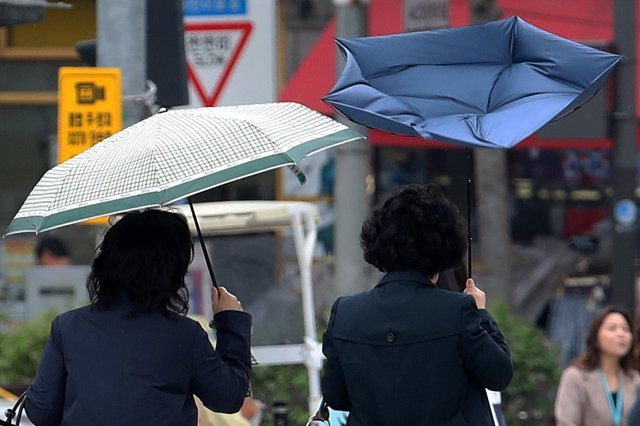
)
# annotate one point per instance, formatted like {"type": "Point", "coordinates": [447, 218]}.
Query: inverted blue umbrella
{"type": "Point", "coordinates": [489, 85]}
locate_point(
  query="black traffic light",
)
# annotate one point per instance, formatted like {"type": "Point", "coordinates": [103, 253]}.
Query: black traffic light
{"type": "Point", "coordinates": [166, 62]}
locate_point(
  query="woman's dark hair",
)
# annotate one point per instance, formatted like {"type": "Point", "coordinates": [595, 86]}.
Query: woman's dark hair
{"type": "Point", "coordinates": [415, 228]}
{"type": "Point", "coordinates": [144, 259]}
{"type": "Point", "coordinates": [590, 359]}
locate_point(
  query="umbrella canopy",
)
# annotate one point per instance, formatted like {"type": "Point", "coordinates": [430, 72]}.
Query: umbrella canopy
{"type": "Point", "coordinates": [489, 85]}
{"type": "Point", "coordinates": [172, 155]}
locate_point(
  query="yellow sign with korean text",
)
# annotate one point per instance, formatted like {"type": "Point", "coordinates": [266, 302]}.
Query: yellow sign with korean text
{"type": "Point", "coordinates": [89, 108]}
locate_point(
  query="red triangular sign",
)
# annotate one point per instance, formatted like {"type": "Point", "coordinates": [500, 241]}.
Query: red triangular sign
{"type": "Point", "coordinates": [212, 50]}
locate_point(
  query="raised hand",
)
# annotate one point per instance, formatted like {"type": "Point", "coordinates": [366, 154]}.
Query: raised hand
{"type": "Point", "coordinates": [476, 293]}
{"type": "Point", "coordinates": [222, 300]}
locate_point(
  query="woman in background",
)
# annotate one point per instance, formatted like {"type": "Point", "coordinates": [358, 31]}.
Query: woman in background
{"type": "Point", "coordinates": [600, 387]}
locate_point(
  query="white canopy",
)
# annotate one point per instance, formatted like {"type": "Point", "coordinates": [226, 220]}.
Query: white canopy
{"type": "Point", "coordinates": [238, 217]}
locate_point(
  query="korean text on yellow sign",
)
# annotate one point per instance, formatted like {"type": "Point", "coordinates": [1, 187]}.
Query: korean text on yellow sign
{"type": "Point", "coordinates": [89, 108]}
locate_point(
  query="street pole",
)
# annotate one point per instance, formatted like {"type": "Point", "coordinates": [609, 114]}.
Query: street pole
{"type": "Point", "coordinates": [492, 197]}
{"type": "Point", "coordinates": [121, 43]}
{"type": "Point", "coordinates": [624, 158]}
{"type": "Point", "coordinates": [352, 165]}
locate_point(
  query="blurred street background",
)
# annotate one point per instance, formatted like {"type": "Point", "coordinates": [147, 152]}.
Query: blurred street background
{"type": "Point", "coordinates": [554, 220]}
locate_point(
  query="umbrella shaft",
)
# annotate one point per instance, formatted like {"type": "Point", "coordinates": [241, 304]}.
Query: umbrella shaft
{"type": "Point", "coordinates": [202, 244]}
{"type": "Point", "coordinates": [469, 171]}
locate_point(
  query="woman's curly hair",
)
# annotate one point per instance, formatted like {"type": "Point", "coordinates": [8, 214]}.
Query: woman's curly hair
{"type": "Point", "coordinates": [416, 228]}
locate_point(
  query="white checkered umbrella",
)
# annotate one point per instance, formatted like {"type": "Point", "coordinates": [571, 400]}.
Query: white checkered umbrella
{"type": "Point", "coordinates": [172, 155]}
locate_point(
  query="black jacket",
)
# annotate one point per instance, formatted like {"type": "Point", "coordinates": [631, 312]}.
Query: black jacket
{"type": "Point", "coordinates": [101, 367]}
{"type": "Point", "coordinates": [408, 353]}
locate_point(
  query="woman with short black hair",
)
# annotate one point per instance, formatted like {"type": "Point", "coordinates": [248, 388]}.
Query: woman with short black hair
{"type": "Point", "coordinates": [143, 259]}
{"type": "Point", "coordinates": [132, 357]}
{"type": "Point", "coordinates": [416, 228]}
{"type": "Point", "coordinates": [407, 352]}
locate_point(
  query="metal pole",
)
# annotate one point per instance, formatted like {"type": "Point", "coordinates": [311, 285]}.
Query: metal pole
{"type": "Point", "coordinates": [352, 203]}
{"type": "Point", "coordinates": [304, 236]}
{"type": "Point", "coordinates": [624, 158]}
{"type": "Point", "coordinates": [121, 43]}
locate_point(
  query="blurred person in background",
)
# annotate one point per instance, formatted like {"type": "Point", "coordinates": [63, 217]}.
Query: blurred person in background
{"type": "Point", "coordinates": [132, 357]}
{"type": "Point", "coordinates": [634, 414]}
{"type": "Point", "coordinates": [408, 352]}
{"type": "Point", "coordinates": [601, 386]}
{"type": "Point", "coordinates": [52, 251]}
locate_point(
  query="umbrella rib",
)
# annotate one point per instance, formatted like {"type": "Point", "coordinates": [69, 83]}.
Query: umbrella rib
{"type": "Point", "coordinates": [493, 86]}
{"type": "Point", "coordinates": [156, 169]}
{"type": "Point", "coordinates": [447, 98]}
{"type": "Point", "coordinates": [276, 148]}
{"type": "Point", "coordinates": [536, 67]}
{"type": "Point", "coordinates": [393, 70]}
{"type": "Point", "coordinates": [65, 177]}
{"type": "Point", "coordinates": [560, 80]}
{"type": "Point", "coordinates": [534, 94]}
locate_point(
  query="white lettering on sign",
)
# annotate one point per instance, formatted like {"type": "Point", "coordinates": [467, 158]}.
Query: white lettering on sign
{"type": "Point", "coordinates": [420, 15]}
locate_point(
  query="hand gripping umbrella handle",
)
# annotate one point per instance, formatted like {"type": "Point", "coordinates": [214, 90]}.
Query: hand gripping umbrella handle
{"type": "Point", "coordinates": [202, 244]}
{"type": "Point", "coordinates": [254, 361]}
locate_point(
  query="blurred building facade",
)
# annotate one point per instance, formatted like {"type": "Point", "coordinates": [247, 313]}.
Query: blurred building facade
{"type": "Point", "coordinates": [560, 177]}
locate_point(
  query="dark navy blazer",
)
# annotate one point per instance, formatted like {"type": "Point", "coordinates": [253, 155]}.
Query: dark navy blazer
{"type": "Point", "coordinates": [408, 353]}
{"type": "Point", "coordinates": [101, 367]}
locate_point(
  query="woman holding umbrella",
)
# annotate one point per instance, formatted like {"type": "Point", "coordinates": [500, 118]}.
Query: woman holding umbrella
{"type": "Point", "coordinates": [408, 352]}
{"type": "Point", "coordinates": [132, 357]}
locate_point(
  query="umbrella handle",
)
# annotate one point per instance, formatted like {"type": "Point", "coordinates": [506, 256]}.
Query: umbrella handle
{"type": "Point", "coordinates": [202, 244]}
{"type": "Point", "coordinates": [254, 361]}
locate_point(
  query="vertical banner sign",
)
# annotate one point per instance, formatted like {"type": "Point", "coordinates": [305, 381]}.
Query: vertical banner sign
{"type": "Point", "coordinates": [89, 108]}
{"type": "Point", "coordinates": [230, 46]}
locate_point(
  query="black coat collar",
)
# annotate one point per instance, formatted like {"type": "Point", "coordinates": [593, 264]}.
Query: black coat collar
{"type": "Point", "coordinates": [406, 275]}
